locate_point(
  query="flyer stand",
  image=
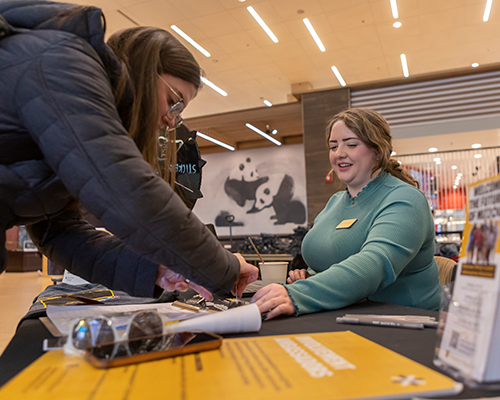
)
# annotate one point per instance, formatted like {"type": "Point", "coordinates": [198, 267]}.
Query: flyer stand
{"type": "Point", "coordinates": [467, 347]}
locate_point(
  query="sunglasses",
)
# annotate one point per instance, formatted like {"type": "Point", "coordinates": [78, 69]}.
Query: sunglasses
{"type": "Point", "coordinates": [115, 335]}
{"type": "Point", "coordinates": [175, 111]}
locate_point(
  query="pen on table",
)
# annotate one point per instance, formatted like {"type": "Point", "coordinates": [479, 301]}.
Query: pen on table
{"type": "Point", "coordinates": [380, 322]}
{"type": "Point", "coordinates": [405, 317]}
{"type": "Point", "coordinates": [427, 321]}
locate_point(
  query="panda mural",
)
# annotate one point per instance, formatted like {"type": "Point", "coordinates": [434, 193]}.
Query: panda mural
{"type": "Point", "coordinates": [264, 189]}
{"type": "Point", "coordinates": [242, 182]}
{"type": "Point", "coordinates": [277, 192]}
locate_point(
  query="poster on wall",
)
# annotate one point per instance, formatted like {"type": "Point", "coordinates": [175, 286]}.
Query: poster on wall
{"type": "Point", "coordinates": [260, 191]}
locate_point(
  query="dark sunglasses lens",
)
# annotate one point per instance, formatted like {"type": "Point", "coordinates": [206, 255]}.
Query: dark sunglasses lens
{"type": "Point", "coordinates": [147, 328]}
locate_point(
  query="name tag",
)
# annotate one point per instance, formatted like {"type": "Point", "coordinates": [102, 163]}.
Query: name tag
{"type": "Point", "coordinates": [346, 223]}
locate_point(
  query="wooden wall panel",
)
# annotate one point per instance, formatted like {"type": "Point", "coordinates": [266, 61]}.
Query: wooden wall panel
{"type": "Point", "coordinates": [317, 109]}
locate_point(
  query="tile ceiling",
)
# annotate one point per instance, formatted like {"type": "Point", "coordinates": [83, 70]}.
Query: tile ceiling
{"type": "Point", "coordinates": [436, 36]}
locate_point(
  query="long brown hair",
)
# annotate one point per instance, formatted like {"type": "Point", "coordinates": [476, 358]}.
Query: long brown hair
{"type": "Point", "coordinates": [374, 131]}
{"type": "Point", "coordinates": [145, 53]}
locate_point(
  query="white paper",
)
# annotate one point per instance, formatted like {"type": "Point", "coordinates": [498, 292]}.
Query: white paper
{"type": "Point", "coordinates": [236, 320]}
{"type": "Point", "coordinates": [239, 319]}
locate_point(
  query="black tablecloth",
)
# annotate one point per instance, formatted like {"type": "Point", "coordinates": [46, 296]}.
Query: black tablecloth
{"type": "Point", "coordinates": [418, 345]}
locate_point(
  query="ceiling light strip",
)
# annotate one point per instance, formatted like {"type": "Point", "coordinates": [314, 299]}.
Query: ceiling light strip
{"type": "Point", "coordinates": [404, 64]}
{"type": "Point", "coordinates": [487, 10]}
{"type": "Point", "coordinates": [190, 41]}
{"type": "Point", "coordinates": [394, 8]}
{"type": "Point", "coordinates": [338, 76]}
{"type": "Point", "coordinates": [213, 86]}
{"type": "Point", "coordinates": [211, 139]}
{"type": "Point", "coordinates": [262, 24]}
{"type": "Point", "coordinates": [313, 33]}
{"type": "Point", "coordinates": [268, 103]}
{"type": "Point", "coordinates": [263, 134]}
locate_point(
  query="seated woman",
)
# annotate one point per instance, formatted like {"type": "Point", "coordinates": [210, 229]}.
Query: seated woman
{"type": "Point", "coordinates": [374, 240]}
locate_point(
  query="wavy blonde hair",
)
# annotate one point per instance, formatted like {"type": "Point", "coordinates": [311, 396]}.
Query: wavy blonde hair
{"type": "Point", "coordinates": [374, 131]}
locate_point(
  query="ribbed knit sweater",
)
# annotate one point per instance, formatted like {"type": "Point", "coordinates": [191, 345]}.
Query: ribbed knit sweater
{"type": "Point", "coordinates": [387, 255]}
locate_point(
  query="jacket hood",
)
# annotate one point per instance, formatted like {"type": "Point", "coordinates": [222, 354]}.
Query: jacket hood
{"type": "Point", "coordinates": [85, 22]}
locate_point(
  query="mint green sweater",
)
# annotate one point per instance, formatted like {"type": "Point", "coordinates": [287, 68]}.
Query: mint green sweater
{"type": "Point", "coordinates": [386, 256]}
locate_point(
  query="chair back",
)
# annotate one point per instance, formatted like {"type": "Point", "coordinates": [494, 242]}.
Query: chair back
{"type": "Point", "coordinates": [446, 269]}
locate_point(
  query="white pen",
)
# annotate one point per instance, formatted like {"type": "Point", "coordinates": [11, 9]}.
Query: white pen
{"type": "Point", "coordinates": [382, 322]}
{"type": "Point", "coordinates": [427, 321]}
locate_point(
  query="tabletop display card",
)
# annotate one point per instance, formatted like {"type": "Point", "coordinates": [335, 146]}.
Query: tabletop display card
{"type": "Point", "coordinates": [468, 343]}
{"type": "Point", "coordinates": [334, 365]}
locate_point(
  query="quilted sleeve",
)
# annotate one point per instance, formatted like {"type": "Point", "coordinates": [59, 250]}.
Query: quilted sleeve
{"type": "Point", "coordinates": [94, 255]}
{"type": "Point", "coordinates": [66, 103]}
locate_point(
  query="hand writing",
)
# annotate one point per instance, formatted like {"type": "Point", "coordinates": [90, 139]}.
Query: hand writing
{"type": "Point", "coordinates": [248, 274]}
{"type": "Point", "coordinates": [169, 280]}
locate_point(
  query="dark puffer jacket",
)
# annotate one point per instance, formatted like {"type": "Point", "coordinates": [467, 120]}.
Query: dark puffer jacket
{"type": "Point", "coordinates": [61, 139]}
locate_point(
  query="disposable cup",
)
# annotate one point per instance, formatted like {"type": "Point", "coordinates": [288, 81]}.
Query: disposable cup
{"type": "Point", "coordinates": [273, 272]}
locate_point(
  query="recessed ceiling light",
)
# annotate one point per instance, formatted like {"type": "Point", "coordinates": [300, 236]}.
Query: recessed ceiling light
{"type": "Point", "coordinates": [313, 33]}
{"type": "Point", "coordinates": [211, 139]}
{"type": "Point", "coordinates": [438, 162]}
{"type": "Point", "coordinates": [339, 77]}
{"type": "Point", "coordinates": [459, 174]}
{"type": "Point", "coordinates": [436, 159]}
{"type": "Point", "coordinates": [213, 86]}
{"type": "Point", "coordinates": [242, 1]}
{"type": "Point", "coordinates": [476, 145]}
{"type": "Point", "coordinates": [263, 134]}
{"type": "Point", "coordinates": [262, 24]}
{"type": "Point", "coordinates": [454, 186]}
{"type": "Point", "coordinates": [432, 149]}
{"type": "Point", "coordinates": [404, 64]}
{"type": "Point", "coordinates": [475, 65]}
{"type": "Point", "coordinates": [478, 155]}
{"type": "Point", "coordinates": [454, 167]}
{"type": "Point", "coordinates": [394, 8]}
{"type": "Point", "coordinates": [274, 131]}
{"type": "Point", "coordinates": [190, 41]}
{"type": "Point", "coordinates": [487, 10]}
{"type": "Point", "coordinates": [393, 153]}
{"type": "Point", "coordinates": [268, 103]}
{"type": "Point", "coordinates": [397, 24]}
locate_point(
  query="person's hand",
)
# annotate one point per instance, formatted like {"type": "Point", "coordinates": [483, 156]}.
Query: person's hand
{"type": "Point", "coordinates": [273, 300]}
{"type": "Point", "coordinates": [169, 280]}
{"type": "Point", "coordinates": [248, 274]}
{"type": "Point", "coordinates": [297, 275]}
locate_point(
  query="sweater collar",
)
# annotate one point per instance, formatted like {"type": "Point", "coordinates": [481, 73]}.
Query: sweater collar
{"type": "Point", "coordinates": [369, 188]}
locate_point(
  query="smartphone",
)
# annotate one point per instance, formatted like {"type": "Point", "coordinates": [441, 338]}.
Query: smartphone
{"type": "Point", "coordinates": [149, 348]}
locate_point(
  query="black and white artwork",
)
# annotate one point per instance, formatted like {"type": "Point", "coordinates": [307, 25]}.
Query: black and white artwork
{"type": "Point", "coordinates": [254, 191]}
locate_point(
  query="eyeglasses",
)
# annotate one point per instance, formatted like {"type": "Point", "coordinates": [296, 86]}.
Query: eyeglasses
{"type": "Point", "coordinates": [175, 111]}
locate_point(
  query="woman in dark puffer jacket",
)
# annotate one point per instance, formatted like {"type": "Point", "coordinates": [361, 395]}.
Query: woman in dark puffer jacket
{"type": "Point", "coordinates": [79, 122]}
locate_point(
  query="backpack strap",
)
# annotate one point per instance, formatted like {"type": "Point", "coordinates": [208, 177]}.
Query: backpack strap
{"type": "Point", "coordinates": [7, 30]}
{"type": "Point", "coordinates": [4, 28]}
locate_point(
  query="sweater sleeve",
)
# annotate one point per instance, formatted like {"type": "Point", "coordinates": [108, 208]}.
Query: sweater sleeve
{"type": "Point", "coordinates": [395, 237]}
{"type": "Point", "coordinates": [66, 103]}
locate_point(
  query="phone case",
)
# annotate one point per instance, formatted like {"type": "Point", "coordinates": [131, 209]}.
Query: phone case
{"type": "Point", "coordinates": [213, 342]}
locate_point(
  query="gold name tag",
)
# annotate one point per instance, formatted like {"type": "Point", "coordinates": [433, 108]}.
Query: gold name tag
{"type": "Point", "coordinates": [346, 223]}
